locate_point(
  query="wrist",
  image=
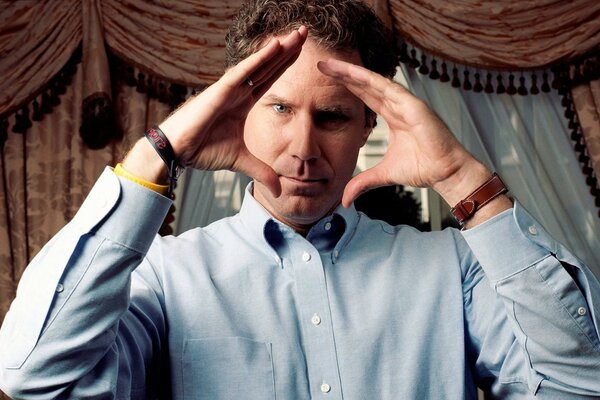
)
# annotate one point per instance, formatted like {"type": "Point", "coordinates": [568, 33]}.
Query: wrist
{"type": "Point", "coordinates": [144, 162]}
{"type": "Point", "coordinates": [474, 194]}
{"type": "Point", "coordinates": [463, 182]}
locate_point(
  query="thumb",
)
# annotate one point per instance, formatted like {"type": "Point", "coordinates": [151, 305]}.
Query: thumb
{"type": "Point", "coordinates": [363, 182]}
{"type": "Point", "coordinates": [259, 171]}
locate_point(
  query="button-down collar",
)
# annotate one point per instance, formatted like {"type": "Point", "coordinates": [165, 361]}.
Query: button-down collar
{"type": "Point", "coordinates": [329, 235]}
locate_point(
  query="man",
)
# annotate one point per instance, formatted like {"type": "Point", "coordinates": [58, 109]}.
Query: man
{"type": "Point", "coordinates": [299, 296]}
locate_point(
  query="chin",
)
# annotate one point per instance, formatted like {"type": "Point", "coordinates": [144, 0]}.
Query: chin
{"type": "Point", "coordinates": [305, 211]}
{"type": "Point", "coordinates": [296, 208]}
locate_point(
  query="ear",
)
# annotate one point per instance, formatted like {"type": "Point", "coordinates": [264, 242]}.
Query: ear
{"type": "Point", "coordinates": [365, 136]}
{"type": "Point", "coordinates": [370, 123]}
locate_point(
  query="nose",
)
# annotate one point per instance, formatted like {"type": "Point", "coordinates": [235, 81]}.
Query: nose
{"type": "Point", "coordinates": [303, 140]}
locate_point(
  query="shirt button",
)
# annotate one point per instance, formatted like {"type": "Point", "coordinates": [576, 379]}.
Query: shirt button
{"type": "Point", "coordinates": [325, 388]}
{"type": "Point", "coordinates": [328, 226]}
{"type": "Point", "coordinates": [336, 253]}
{"type": "Point", "coordinates": [60, 288]}
{"type": "Point", "coordinates": [581, 311]}
{"type": "Point", "coordinates": [306, 257]}
{"type": "Point", "coordinates": [316, 320]}
{"type": "Point", "coordinates": [103, 203]}
{"type": "Point", "coordinates": [533, 230]}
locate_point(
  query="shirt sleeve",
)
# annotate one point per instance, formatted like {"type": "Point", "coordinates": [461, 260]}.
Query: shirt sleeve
{"type": "Point", "coordinates": [69, 332]}
{"type": "Point", "coordinates": [533, 311]}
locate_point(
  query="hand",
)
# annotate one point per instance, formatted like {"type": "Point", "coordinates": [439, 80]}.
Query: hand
{"type": "Point", "coordinates": [207, 131]}
{"type": "Point", "coordinates": [422, 151]}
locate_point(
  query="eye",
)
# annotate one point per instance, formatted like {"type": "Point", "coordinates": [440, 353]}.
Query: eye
{"type": "Point", "coordinates": [281, 108]}
{"type": "Point", "coordinates": [331, 119]}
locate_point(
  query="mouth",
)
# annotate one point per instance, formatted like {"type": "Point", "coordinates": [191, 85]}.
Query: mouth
{"type": "Point", "coordinates": [304, 186]}
{"type": "Point", "coordinates": [304, 180]}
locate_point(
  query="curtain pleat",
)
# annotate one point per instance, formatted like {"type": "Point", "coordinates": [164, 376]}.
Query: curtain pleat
{"type": "Point", "coordinates": [36, 41]}
{"type": "Point", "coordinates": [182, 43]}
{"type": "Point", "coordinates": [509, 34]}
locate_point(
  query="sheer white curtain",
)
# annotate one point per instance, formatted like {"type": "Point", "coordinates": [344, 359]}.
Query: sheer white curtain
{"type": "Point", "coordinates": [206, 196]}
{"type": "Point", "coordinates": [525, 139]}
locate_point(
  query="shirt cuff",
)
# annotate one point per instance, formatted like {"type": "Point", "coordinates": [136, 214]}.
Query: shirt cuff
{"type": "Point", "coordinates": [123, 211]}
{"type": "Point", "coordinates": [509, 242]}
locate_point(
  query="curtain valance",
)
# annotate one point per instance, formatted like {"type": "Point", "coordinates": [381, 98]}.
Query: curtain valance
{"type": "Point", "coordinates": [36, 41]}
{"type": "Point", "coordinates": [509, 34]}
{"type": "Point", "coordinates": [182, 41]}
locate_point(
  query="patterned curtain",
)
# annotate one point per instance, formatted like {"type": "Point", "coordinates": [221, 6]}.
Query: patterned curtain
{"type": "Point", "coordinates": [46, 167]}
{"type": "Point", "coordinates": [46, 174]}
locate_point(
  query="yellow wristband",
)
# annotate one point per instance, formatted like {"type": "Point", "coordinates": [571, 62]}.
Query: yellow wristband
{"type": "Point", "coordinates": [120, 171]}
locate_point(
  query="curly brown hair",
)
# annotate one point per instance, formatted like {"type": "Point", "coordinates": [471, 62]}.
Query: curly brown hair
{"type": "Point", "coordinates": [339, 25]}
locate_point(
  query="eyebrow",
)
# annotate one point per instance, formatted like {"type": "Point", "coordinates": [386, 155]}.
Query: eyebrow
{"type": "Point", "coordinates": [335, 108]}
{"type": "Point", "coordinates": [276, 99]}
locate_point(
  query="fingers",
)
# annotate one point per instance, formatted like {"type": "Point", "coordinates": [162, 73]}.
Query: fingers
{"type": "Point", "coordinates": [359, 76]}
{"type": "Point", "coordinates": [259, 171]}
{"type": "Point", "coordinates": [383, 96]}
{"type": "Point", "coordinates": [274, 74]}
{"type": "Point", "coordinates": [363, 182]}
{"type": "Point", "coordinates": [261, 66]}
{"type": "Point", "coordinates": [289, 51]}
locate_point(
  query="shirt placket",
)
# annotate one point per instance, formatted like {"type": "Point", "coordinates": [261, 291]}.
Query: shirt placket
{"type": "Point", "coordinates": [321, 357]}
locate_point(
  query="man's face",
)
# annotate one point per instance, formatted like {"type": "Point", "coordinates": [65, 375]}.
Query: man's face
{"type": "Point", "coordinates": [309, 129]}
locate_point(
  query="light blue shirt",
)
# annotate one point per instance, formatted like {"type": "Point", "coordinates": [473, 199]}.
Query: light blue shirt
{"type": "Point", "coordinates": [248, 309]}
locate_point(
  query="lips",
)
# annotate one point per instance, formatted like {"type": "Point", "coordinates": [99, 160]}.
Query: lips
{"type": "Point", "coordinates": [304, 186]}
{"type": "Point", "coordinates": [305, 180]}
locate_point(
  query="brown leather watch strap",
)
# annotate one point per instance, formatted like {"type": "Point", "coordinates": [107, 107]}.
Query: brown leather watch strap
{"type": "Point", "coordinates": [485, 193]}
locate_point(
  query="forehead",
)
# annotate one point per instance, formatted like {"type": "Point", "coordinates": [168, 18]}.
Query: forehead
{"type": "Point", "coordinates": [303, 78]}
